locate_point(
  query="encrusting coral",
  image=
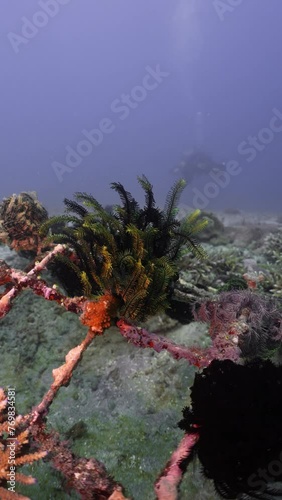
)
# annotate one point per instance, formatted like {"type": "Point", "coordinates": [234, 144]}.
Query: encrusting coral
{"type": "Point", "coordinates": [97, 315]}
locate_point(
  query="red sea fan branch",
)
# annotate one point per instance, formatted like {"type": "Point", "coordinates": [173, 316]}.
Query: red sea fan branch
{"type": "Point", "coordinates": [223, 345]}
{"type": "Point", "coordinates": [166, 487]}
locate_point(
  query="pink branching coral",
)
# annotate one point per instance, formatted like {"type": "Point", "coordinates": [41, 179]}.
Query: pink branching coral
{"type": "Point", "coordinates": [223, 346]}
{"type": "Point", "coordinates": [166, 487]}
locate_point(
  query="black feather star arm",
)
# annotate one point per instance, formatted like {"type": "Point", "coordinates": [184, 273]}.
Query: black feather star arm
{"type": "Point", "coordinates": [130, 208]}
{"type": "Point", "coordinates": [172, 200]}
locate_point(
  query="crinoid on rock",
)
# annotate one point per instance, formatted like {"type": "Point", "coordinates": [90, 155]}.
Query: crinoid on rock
{"type": "Point", "coordinates": [128, 251]}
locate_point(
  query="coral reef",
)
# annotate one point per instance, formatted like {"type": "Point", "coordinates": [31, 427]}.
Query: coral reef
{"type": "Point", "coordinates": [223, 270]}
{"type": "Point", "coordinates": [121, 265]}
